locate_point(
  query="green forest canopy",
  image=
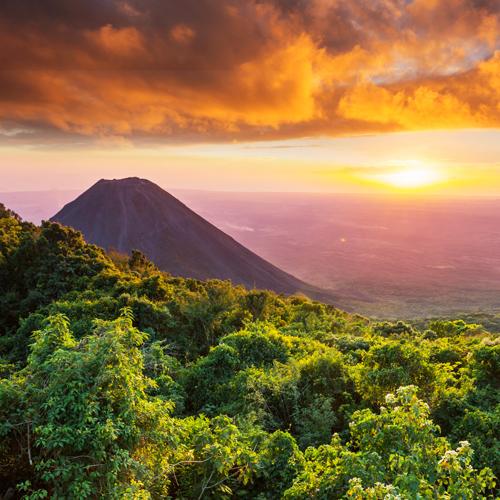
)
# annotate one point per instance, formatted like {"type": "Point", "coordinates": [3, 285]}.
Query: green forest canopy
{"type": "Point", "coordinates": [119, 381]}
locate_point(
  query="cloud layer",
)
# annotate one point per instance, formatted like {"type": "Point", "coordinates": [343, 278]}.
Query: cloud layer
{"type": "Point", "coordinates": [225, 70]}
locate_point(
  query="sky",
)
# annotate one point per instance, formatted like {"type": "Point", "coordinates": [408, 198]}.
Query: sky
{"type": "Point", "coordinates": [248, 95]}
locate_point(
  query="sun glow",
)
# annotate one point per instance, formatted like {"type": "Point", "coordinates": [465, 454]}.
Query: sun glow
{"type": "Point", "coordinates": [412, 178]}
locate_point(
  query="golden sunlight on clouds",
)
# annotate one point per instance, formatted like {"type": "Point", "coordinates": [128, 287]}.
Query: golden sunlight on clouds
{"type": "Point", "coordinates": [222, 70]}
{"type": "Point", "coordinates": [420, 109]}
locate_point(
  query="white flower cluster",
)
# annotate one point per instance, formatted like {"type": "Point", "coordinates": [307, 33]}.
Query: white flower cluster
{"type": "Point", "coordinates": [390, 398]}
{"type": "Point", "coordinates": [449, 456]}
{"type": "Point", "coordinates": [378, 492]}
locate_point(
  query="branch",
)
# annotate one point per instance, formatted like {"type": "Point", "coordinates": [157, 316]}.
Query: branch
{"type": "Point", "coordinates": [179, 463]}
{"type": "Point", "coordinates": [205, 487]}
{"type": "Point", "coordinates": [220, 482]}
{"type": "Point", "coordinates": [29, 443]}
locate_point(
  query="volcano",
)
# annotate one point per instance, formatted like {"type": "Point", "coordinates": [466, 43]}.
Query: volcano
{"type": "Point", "coordinates": [137, 214]}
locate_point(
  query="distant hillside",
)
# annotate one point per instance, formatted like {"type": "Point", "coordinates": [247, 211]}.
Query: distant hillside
{"type": "Point", "coordinates": [35, 206]}
{"type": "Point", "coordinates": [135, 213]}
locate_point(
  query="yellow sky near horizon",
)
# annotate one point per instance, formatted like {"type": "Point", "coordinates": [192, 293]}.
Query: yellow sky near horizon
{"type": "Point", "coordinates": [416, 163]}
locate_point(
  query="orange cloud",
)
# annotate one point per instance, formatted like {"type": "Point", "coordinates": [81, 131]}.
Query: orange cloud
{"type": "Point", "coordinates": [182, 33]}
{"type": "Point", "coordinates": [421, 109]}
{"type": "Point", "coordinates": [467, 100]}
{"type": "Point", "coordinates": [224, 70]}
{"type": "Point", "coordinates": [120, 42]}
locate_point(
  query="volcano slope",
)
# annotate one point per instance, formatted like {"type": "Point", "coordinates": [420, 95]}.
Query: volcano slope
{"type": "Point", "coordinates": [135, 213]}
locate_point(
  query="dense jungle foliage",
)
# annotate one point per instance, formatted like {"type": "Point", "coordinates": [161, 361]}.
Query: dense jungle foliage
{"type": "Point", "coordinates": [121, 382]}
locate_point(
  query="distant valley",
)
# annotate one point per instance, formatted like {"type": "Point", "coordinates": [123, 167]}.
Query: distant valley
{"type": "Point", "coordinates": [418, 255]}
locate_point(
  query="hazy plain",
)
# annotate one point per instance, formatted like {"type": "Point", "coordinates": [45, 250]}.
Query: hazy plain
{"type": "Point", "coordinates": [417, 255]}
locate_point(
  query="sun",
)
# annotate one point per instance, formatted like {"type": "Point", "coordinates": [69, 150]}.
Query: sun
{"type": "Point", "coordinates": [411, 178]}
{"type": "Point", "coordinates": [403, 175]}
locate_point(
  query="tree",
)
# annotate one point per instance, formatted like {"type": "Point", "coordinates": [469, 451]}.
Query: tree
{"type": "Point", "coordinates": [76, 422]}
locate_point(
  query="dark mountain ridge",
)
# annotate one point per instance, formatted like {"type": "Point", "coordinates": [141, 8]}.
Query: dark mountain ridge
{"type": "Point", "coordinates": [135, 213]}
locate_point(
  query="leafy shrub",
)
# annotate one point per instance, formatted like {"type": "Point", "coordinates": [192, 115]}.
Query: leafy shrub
{"type": "Point", "coordinates": [395, 454]}
{"type": "Point", "coordinates": [391, 364]}
{"type": "Point", "coordinates": [391, 330]}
